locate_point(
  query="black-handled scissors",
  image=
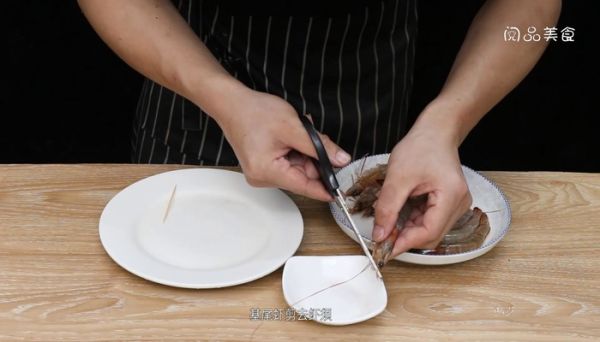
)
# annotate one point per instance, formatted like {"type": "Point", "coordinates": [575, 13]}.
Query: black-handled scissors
{"type": "Point", "coordinates": [331, 184]}
{"type": "Point", "coordinates": [322, 163]}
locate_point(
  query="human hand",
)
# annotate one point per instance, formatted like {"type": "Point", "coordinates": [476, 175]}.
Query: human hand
{"type": "Point", "coordinates": [272, 145]}
{"type": "Point", "coordinates": [424, 162]}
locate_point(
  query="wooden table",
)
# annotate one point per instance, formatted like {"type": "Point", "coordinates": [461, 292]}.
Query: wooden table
{"type": "Point", "coordinates": [542, 282]}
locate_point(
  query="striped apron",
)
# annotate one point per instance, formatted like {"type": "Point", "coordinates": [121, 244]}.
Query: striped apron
{"type": "Point", "coordinates": [350, 69]}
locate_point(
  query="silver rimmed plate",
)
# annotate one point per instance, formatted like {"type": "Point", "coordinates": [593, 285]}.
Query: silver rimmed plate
{"type": "Point", "coordinates": [486, 195]}
{"type": "Point", "coordinates": [219, 231]}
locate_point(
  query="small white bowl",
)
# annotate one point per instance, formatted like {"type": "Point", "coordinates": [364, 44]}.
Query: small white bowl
{"type": "Point", "coordinates": [486, 195]}
{"type": "Point", "coordinates": [306, 287]}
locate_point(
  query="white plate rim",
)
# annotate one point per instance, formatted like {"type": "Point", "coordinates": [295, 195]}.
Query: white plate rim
{"type": "Point", "coordinates": [106, 244]}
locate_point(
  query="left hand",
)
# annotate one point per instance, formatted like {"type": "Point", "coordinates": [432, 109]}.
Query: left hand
{"type": "Point", "coordinates": [425, 161]}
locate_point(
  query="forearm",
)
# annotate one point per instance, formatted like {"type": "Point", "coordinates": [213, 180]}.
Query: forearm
{"type": "Point", "coordinates": [153, 38]}
{"type": "Point", "coordinates": [487, 67]}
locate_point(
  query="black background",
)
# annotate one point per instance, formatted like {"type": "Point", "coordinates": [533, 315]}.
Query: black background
{"type": "Point", "coordinates": [66, 98]}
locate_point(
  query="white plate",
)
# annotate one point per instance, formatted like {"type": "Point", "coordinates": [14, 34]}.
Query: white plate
{"type": "Point", "coordinates": [219, 231]}
{"type": "Point", "coordinates": [486, 196]}
{"type": "Point", "coordinates": [356, 300]}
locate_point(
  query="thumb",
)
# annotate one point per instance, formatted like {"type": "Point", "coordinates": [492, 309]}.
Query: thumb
{"type": "Point", "coordinates": [300, 141]}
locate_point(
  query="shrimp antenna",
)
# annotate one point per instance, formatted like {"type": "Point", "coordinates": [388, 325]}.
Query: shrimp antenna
{"type": "Point", "coordinates": [363, 162]}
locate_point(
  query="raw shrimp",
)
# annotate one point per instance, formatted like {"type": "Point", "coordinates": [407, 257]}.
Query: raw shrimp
{"type": "Point", "coordinates": [371, 178]}
{"type": "Point", "coordinates": [470, 242]}
{"type": "Point", "coordinates": [364, 203]}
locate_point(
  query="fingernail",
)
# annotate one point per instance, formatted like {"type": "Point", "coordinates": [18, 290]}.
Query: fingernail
{"type": "Point", "coordinates": [378, 233]}
{"type": "Point", "coordinates": [342, 157]}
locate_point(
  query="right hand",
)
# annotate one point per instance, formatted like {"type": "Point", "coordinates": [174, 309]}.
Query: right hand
{"type": "Point", "coordinates": [273, 146]}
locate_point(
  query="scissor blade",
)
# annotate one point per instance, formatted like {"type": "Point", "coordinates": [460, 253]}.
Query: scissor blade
{"type": "Point", "coordinates": [342, 203]}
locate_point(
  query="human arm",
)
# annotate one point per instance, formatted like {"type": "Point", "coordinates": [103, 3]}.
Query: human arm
{"type": "Point", "coordinates": [153, 38]}
{"type": "Point", "coordinates": [426, 160]}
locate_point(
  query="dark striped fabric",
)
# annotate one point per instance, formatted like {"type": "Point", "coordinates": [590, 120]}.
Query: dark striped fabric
{"type": "Point", "coordinates": [351, 70]}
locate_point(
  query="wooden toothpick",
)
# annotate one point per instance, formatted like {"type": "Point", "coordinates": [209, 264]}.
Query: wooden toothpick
{"type": "Point", "coordinates": [169, 203]}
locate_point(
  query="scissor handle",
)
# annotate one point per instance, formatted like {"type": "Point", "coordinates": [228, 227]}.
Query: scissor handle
{"type": "Point", "coordinates": [322, 163]}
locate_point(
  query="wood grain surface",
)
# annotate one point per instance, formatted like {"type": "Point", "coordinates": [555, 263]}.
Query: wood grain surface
{"type": "Point", "coordinates": [541, 282]}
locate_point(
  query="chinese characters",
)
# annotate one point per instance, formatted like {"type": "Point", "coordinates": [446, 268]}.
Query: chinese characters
{"type": "Point", "coordinates": [289, 314]}
{"type": "Point", "coordinates": [514, 34]}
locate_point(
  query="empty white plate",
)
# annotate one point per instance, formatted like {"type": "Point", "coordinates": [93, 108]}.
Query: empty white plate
{"type": "Point", "coordinates": [332, 289]}
{"type": "Point", "coordinates": [219, 230]}
{"type": "Point", "coordinates": [484, 192]}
